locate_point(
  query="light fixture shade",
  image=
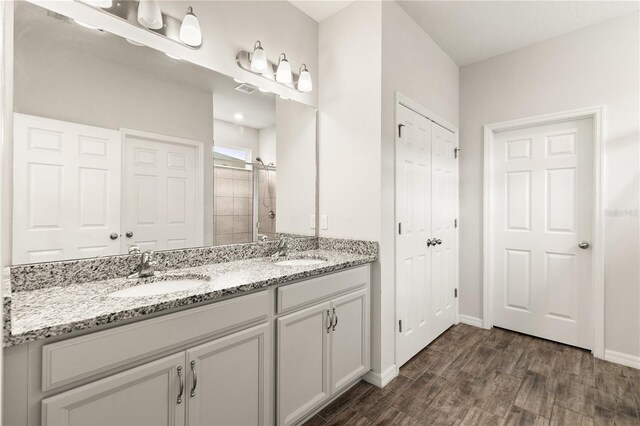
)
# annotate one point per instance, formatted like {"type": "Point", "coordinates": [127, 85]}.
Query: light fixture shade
{"type": "Point", "coordinates": [259, 58]}
{"type": "Point", "coordinates": [283, 74]}
{"type": "Point", "coordinates": [105, 4]}
{"type": "Point", "coordinates": [149, 14]}
{"type": "Point", "coordinates": [190, 33]}
{"type": "Point", "coordinates": [304, 80]}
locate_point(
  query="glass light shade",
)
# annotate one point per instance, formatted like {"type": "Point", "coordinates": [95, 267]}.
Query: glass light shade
{"type": "Point", "coordinates": [259, 59]}
{"type": "Point", "coordinates": [283, 74]}
{"type": "Point", "coordinates": [149, 14]}
{"type": "Point", "coordinates": [304, 80]}
{"type": "Point", "coordinates": [105, 4]}
{"type": "Point", "coordinates": [190, 33]}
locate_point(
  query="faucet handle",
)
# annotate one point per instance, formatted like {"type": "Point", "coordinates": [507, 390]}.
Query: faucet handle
{"type": "Point", "coordinates": [134, 250]}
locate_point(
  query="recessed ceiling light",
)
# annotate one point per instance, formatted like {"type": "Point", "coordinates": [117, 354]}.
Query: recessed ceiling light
{"type": "Point", "coordinates": [238, 116]}
{"type": "Point", "coordinates": [91, 27]}
{"type": "Point", "coordinates": [173, 56]}
{"type": "Point", "coordinates": [237, 80]}
{"type": "Point", "coordinates": [264, 90]}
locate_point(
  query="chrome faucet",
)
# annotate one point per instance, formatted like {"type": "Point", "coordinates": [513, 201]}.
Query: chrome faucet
{"type": "Point", "coordinates": [147, 265]}
{"type": "Point", "coordinates": [283, 248]}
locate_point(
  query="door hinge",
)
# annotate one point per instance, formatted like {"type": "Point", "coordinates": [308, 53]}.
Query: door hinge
{"type": "Point", "coordinates": [455, 223]}
{"type": "Point", "coordinates": [400, 126]}
{"type": "Point", "coordinates": [456, 152]}
{"type": "Point", "coordinates": [400, 325]}
{"type": "Point", "coordinates": [455, 292]}
{"type": "Point", "coordinates": [399, 228]}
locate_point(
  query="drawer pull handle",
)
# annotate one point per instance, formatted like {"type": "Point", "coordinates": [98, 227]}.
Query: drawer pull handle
{"type": "Point", "coordinates": [195, 379]}
{"type": "Point", "coordinates": [330, 320]}
{"type": "Point", "coordinates": [335, 316]}
{"type": "Point", "coordinates": [181, 385]}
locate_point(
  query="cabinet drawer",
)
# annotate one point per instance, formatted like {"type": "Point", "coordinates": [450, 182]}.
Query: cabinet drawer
{"type": "Point", "coordinates": [84, 356]}
{"type": "Point", "coordinates": [306, 292]}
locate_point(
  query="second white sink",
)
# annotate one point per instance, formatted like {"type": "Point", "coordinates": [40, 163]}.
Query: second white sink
{"type": "Point", "coordinates": [157, 288]}
{"type": "Point", "coordinates": [300, 262]}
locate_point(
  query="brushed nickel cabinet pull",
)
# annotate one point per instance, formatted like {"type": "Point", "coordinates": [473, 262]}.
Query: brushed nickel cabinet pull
{"type": "Point", "coordinates": [335, 316]}
{"type": "Point", "coordinates": [181, 385]}
{"type": "Point", "coordinates": [195, 379]}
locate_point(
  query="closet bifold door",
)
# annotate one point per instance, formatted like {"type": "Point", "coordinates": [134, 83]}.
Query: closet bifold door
{"type": "Point", "coordinates": [444, 194]}
{"type": "Point", "coordinates": [413, 216]}
{"type": "Point", "coordinates": [228, 380]}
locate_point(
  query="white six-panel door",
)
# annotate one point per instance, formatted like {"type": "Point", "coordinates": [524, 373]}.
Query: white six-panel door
{"type": "Point", "coordinates": [543, 210]}
{"type": "Point", "coordinates": [66, 200]}
{"type": "Point", "coordinates": [413, 214]}
{"type": "Point", "coordinates": [426, 210]}
{"type": "Point", "coordinates": [162, 204]}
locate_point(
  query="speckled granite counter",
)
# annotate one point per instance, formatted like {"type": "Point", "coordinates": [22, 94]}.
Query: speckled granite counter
{"type": "Point", "coordinates": [53, 311]}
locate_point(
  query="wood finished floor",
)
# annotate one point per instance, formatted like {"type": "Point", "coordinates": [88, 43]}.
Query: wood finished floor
{"type": "Point", "coordinates": [472, 376]}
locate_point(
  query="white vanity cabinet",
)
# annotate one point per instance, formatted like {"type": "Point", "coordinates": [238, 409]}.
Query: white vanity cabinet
{"type": "Point", "coordinates": [145, 395]}
{"type": "Point", "coordinates": [322, 348]}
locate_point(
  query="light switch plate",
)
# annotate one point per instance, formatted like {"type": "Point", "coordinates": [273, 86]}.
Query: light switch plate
{"type": "Point", "coordinates": [324, 221]}
{"type": "Point", "coordinates": [312, 221]}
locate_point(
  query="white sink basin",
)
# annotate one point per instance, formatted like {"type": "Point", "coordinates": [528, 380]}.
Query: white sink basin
{"type": "Point", "coordinates": [300, 262]}
{"type": "Point", "coordinates": [157, 288]}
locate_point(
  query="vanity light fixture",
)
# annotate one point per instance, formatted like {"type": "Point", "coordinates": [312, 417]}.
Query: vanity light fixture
{"type": "Point", "coordinates": [259, 58]}
{"type": "Point", "coordinates": [304, 80]}
{"type": "Point", "coordinates": [190, 33]}
{"type": "Point", "coordinates": [283, 74]}
{"type": "Point", "coordinates": [82, 24]}
{"type": "Point", "coordinates": [149, 14]}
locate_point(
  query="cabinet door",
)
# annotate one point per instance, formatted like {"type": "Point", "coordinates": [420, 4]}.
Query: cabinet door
{"type": "Point", "coordinates": [229, 380]}
{"type": "Point", "coordinates": [145, 395]}
{"type": "Point", "coordinates": [302, 368]}
{"type": "Point", "coordinates": [349, 338]}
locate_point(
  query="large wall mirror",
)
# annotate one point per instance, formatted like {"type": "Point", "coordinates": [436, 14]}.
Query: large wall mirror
{"type": "Point", "coordinates": [118, 145]}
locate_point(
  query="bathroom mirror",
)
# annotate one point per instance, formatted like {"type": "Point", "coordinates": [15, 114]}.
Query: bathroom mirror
{"type": "Point", "coordinates": [118, 145]}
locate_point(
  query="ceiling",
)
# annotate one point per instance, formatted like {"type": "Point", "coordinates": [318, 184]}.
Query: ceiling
{"type": "Point", "coordinates": [470, 31]}
{"type": "Point", "coordinates": [40, 29]}
{"type": "Point", "coordinates": [320, 10]}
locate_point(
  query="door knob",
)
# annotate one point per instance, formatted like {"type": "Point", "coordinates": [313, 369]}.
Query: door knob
{"type": "Point", "coordinates": [438, 241]}
{"type": "Point", "coordinates": [129, 234]}
{"type": "Point", "coordinates": [429, 242]}
{"type": "Point", "coordinates": [113, 236]}
{"type": "Point", "coordinates": [583, 245]}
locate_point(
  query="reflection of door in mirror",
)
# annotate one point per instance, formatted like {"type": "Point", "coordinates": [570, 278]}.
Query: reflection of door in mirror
{"type": "Point", "coordinates": [66, 175]}
{"type": "Point", "coordinates": [162, 200]}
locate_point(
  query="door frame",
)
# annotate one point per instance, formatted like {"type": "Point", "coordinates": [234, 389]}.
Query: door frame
{"type": "Point", "coordinates": [407, 102]}
{"type": "Point", "coordinates": [156, 137]}
{"type": "Point", "coordinates": [596, 114]}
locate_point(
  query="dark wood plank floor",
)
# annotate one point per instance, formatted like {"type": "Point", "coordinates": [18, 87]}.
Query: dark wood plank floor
{"type": "Point", "coordinates": [472, 376]}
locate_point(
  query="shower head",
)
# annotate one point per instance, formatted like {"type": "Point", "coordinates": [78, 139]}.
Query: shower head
{"type": "Point", "coordinates": [259, 160]}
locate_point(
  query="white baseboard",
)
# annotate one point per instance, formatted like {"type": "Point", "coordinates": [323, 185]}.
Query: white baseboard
{"type": "Point", "coordinates": [622, 359]}
{"type": "Point", "coordinates": [466, 319]}
{"type": "Point", "coordinates": [383, 379]}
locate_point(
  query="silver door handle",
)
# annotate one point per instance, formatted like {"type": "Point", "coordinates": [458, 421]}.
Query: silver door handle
{"type": "Point", "coordinates": [129, 234]}
{"type": "Point", "coordinates": [330, 320]}
{"type": "Point", "coordinates": [181, 385]}
{"type": "Point", "coordinates": [335, 317]}
{"type": "Point", "coordinates": [113, 236]}
{"type": "Point", "coordinates": [583, 245]}
{"type": "Point", "coordinates": [438, 241]}
{"type": "Point", "coordinates": [195, 379]}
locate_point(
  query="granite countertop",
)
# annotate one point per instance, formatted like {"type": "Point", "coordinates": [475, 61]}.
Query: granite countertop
{"type": "Point", "coordinates": [53, 311]}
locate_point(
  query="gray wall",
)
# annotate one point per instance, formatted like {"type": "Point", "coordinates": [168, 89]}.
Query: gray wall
{"type": "Point", "coordinates": [597, 65]}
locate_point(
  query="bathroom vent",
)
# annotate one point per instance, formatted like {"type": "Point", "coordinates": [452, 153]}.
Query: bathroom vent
{"type": "Point", "coordinates": [58, 16]}
{"type": "Point", "coordinates": [246, 88]}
